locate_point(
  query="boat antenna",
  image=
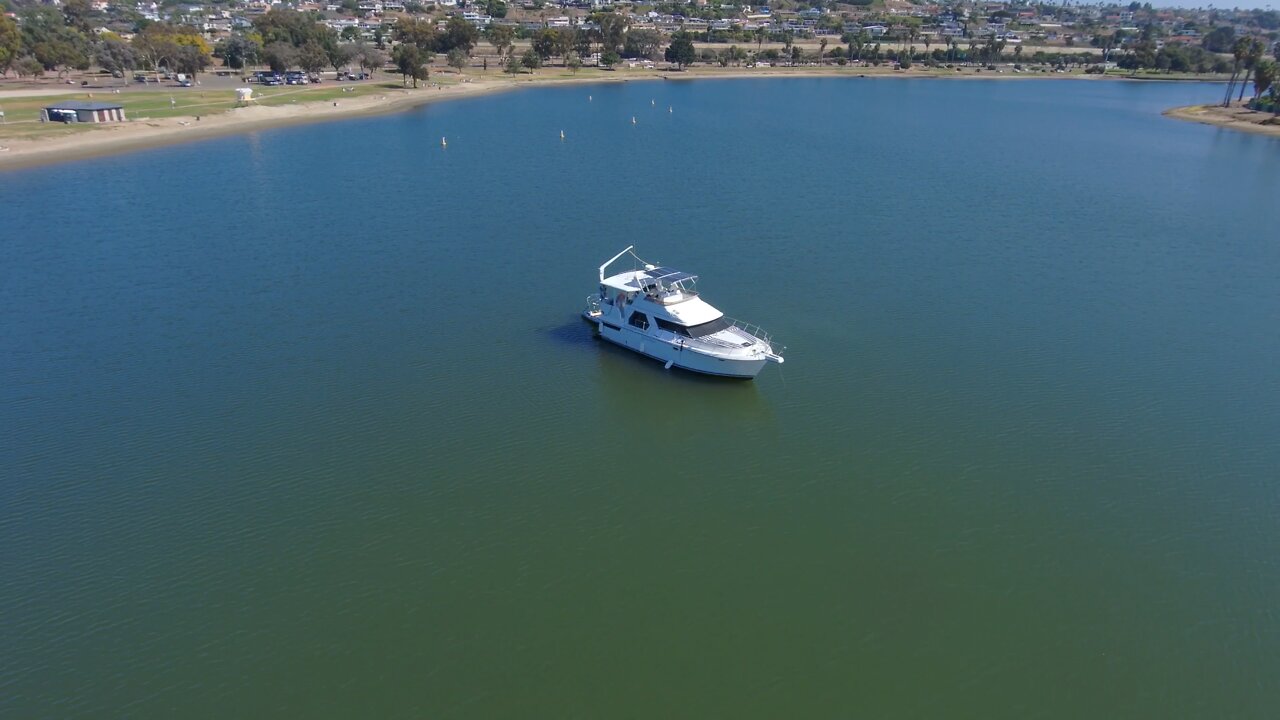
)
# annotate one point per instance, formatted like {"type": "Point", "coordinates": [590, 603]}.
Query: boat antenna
{"type": "Point", "coordinates": [637, 257]}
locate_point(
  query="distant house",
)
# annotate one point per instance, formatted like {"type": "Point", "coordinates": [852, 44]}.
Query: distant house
{"type": "Point", "coordinates": [70, 111]}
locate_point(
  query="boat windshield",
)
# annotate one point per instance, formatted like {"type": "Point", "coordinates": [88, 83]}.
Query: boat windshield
{"type": "Point", "coordinates": [695, 331]}
{"type": "Point", "coordinates": [708, 328]}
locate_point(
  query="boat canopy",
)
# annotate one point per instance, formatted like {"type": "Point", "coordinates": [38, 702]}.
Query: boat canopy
{"type": "Point", "coordinates": [637, 280]}
{"type": "Point", "coordinates": [666, 277]}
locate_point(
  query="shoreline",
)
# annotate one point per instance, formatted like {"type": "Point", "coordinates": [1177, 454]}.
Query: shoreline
{"type": "Point", "coordinates": [144, 133]}
{"type": "Point", "coordinates": [1234, 118]}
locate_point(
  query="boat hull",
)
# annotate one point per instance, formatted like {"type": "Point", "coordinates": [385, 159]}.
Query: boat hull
{"type": "Point", "coordinates": [681, 357]}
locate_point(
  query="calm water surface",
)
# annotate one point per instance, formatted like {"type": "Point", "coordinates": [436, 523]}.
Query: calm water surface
{"type": "Point", "coordinates": [303, 423]}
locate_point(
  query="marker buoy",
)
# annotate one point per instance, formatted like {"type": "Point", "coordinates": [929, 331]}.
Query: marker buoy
{"type": "Point", "coordinates": [444, 142]}
{"type": "Point", "coordinates": [561, 134]}
{"type": "Point", "coordinates": [633, 119]}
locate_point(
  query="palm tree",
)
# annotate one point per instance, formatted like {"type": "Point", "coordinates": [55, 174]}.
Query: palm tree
{"type": "Point", "coordinates": [1238, 50]}
{"type": "Point", "coordinates": [822, 50]}
{"type": "Point", "coordinates": [1264, 75]}
{"type": "Point", "coordinates": [1251, 58]}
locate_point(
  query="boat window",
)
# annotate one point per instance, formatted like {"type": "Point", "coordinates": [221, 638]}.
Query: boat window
{"type": "Point", "coordinates": [672, 327]}
{"type": "Point", "coordinates": [639, 320]}
{"type": "Point", "coordinates": [708, 328]}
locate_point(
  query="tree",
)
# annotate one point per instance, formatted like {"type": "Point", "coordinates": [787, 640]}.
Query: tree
{"type": "Point", "coordinates": [544, 43]}
{"type": "Point", "coordinates": [501, 37]}
{"type": "Point", "coordinates": [238, 51]}
{"type": "Point", "coordinates": [115, 56]}
{"type": "Point", "coordinates": [62, 55]}
{"type": "Point", "coordinates": [78, 15]}
{"type": "Point", "coordinates": [609, 58]}
{"type": "Point", "coordinates": [161, 45]}
{"type": "Point", "coordinates": [565, 40]}
{"type": "Point", "coordinates": [1253, 55]}
{"type": "Point", "coordinates": [512, 67]}
{"type": "Point", "coordinates": [1239, 50]}
{"type": "Point", "coordinates": [495, 9]}
{"type": "Point", "coordinates": [288, 26]}
{"type": "Point", "coordinates": [822, 50]}
{"type": "Point", "coordinates": [370, 58]}
{"type": "Point", "coordinates": [28, 67]}
{"type": "Point", "coordinates": [419, 33]}
{"type": "Point", "coordinates": [350, 33]}
{"type": "Point", "coordinates": [48, 38]}
{"type": "Point", "coordinates": [1219, 39]}
{"type": "Point", "coordinates": [681, 50]}
{"type": "Point", "coordinates": [411, 64]}
{"type": "Point", "coordinates": [642, 44]}
{"type": "Point", "coordinates": [531, 59]}
{"type": "Point", "coordinates": [191, 60]}
{"type": "Point", "coordinates": [583, 39]}
{"type": "Point", "coordinates": [10, 43]}
{"type": "Point", "coordinates": [574, 63]}
{"type": "Point", "coordinates": [338, 55]}
{"type": "Point", "coordinates": [1264, 75]}
{"type": "Point", "coordinates": [457, 59]}
{"type": "Point", "coordinates": [312, 58]}
{"type": "Point", "coordinates": [612, 27]}
{"type": "Point", "coordinates": [458, 34]}
{"type": "Point", "coordinates": [279, 56]}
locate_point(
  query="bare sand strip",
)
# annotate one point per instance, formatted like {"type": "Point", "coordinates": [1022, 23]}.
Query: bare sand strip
{"type": "Point", "coordinates": [1232, 118]}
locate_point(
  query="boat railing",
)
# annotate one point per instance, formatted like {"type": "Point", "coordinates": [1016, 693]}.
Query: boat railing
{"type": "Point", "coordinates": [751, 329]}
{"type": "Point", "coordinates": [746, 328]}
{"type": "Point", "coordinates": [593, 304]}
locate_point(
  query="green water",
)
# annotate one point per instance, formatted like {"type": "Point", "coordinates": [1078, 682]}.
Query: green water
{"type": "Point", "coordinates": [304, 423]}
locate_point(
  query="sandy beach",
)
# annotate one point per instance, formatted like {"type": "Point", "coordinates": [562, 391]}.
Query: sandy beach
{"type": "Point", "coordinates": [146, 133]}
{"type": "Point", "coordinates": [142, 133]}
{"type": "Point", "coordinates": [1232, 118]}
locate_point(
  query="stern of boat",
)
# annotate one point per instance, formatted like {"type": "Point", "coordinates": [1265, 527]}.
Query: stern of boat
{"type": "Point", "coordinates": [592, 312]}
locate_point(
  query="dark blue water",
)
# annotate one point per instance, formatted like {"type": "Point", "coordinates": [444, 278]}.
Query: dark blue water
{"type": "Point", "coordinates": [303, 422]}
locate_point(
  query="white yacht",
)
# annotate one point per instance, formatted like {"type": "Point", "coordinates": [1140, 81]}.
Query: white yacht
{"type": "Point", "coordinates": [656, 311]}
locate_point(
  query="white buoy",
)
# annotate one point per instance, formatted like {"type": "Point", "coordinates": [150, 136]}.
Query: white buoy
{"type": "Point", "coordinates": [444, 142]}
{"type": "Point", "coordinates": [561, 134]}
{"type": "Point", "coordinates": [633, 119]}
{"type": "Point", "coordinates": [669, 109]}
{"type": "Point", "coordinates": [653, 102]}
{"type": "Point", "coordinates": [588, 98]}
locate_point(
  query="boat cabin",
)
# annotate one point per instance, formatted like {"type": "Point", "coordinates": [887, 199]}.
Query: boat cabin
{"type": "Point", "coordinates": [662, 296]}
